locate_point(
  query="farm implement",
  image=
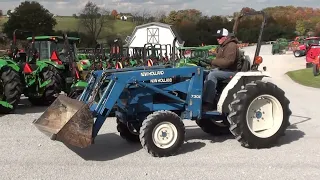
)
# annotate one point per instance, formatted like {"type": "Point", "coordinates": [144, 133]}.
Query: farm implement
{"type": "Point", "coordinates": [152, 101]}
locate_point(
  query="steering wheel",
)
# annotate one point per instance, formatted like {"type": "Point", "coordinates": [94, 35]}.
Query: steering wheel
{"type": "Point", "coordinates": [203, 63]}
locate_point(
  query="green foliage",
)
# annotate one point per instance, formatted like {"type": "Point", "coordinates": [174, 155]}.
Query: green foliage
{"type": "Point", "coordinates": [30, 16]}
{"type": "Point", "coordinates": [300, 27]}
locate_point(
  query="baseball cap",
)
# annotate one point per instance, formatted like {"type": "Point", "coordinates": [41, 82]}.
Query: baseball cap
{"type": "Point", "coordinates": [222, 32]}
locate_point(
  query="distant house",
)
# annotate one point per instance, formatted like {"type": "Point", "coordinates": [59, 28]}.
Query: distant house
{"type": "Point", "coordinates": [124, 18]}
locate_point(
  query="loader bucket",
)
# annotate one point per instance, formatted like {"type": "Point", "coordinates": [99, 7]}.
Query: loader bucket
{"type": "Point", "coordinates": [67, 120]}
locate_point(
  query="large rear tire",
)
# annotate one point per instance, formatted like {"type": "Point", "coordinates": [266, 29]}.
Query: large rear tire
{"type": "Point", "coordinates": [12, 88]}
{"type": "Point", "coordinates": [162, 133]}
{"type": "Point", "coordinates": [259, 114]}
{"type": "Point", "coordinates": [51, 91]}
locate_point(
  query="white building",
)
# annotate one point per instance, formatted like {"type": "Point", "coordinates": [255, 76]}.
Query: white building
{"type": "Point", "coordinates": [154, 33]}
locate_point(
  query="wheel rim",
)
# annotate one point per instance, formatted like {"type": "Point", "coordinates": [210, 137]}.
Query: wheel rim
{"type": "Point", "coordinates": [219, 123]}
{"type": "Point", "coordinates": [264, 116]}
{"type": "Point", "coordinates": [296, 53]}
{"type": "Point", "coordinates": [164, 135]}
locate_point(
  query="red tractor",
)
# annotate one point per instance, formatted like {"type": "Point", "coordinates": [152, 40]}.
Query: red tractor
{"type": "Point", "coordinates": [312, 46]}
{"type": "Point", "coordinates": [300, 44]}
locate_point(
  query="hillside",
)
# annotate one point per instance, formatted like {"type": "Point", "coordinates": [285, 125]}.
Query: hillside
{"type": "Point", "coordinates": [68, 23]}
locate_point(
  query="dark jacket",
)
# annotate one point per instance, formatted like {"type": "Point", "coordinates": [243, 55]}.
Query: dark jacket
{"type": "Point", "coordinates": [227, 55]}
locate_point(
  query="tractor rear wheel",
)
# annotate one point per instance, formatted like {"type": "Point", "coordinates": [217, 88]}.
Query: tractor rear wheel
{"type": "Point", "coordinates": [126, 133]}
{"type": "Point", "coordinates": [315, 69]}
{"type": "Point", "coordinates": [51, 91]}
{"type": "Point", "coordinates": [11, 89]}
{"type": "Point", "coordinates": [259, 114]}
{"type": "Point", "coordinates": [162, 133]}
{"type": "Point", "coordinates": [213, 127]}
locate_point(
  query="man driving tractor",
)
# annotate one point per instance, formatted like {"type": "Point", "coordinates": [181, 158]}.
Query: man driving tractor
{"type": "Point", "coordinates": [224, 66]}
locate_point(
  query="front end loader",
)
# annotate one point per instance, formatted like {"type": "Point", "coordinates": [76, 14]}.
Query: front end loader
{"type": "Point", "coordinates": [152, 102]}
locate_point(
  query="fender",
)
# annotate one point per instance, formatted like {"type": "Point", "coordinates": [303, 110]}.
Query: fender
{"type": "Point", "coordinates": [3, 63]}
{"type": "Point", "coordinates": [9, 63]}
{"type": "Point", "coordinates": [45, 63]}
{"type": "Point", "coordinates": [81, 84]}
{"type": "Point", "coordinates": [235, 82]}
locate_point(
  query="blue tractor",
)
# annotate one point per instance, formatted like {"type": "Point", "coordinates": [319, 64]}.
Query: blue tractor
{"type": "Point", "coordinates": [152, 101]}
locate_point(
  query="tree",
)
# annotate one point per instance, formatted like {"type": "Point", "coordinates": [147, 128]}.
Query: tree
{"type": "Point", "coordinates": [9, 12]}
{"type": "Point", "coordinates": [1, 13]}
{"type": "Point", "coordinates": [30, 16]}
{"type": "Point", "coordinates": [300, 27]}
{"type": "Point", "coordinates": [93, 19]}
{"type": "Point", "coordinates": [114, 13]}
{"type": "Point", "coordinates": [160, 16]}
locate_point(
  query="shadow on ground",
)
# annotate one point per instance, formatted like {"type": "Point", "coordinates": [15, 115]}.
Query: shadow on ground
{"type": "Point", "coordinates": [111, 146]}
{"type": "Point", "coordinates": [195, 133]}
{"type": "Point", "coordinates": [25, 107]}
{"type": "Point", "coordinates": [293, 133]}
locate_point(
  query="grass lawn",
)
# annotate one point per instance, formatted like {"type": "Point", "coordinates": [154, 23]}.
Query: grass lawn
{"type": "Point", "coordinates": [305, 77]}
{"type": "Point", "coordinates": [71, 24]}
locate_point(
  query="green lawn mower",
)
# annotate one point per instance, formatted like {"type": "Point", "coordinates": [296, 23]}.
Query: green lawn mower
{"type": "Point", "coordinates": [281, 46]}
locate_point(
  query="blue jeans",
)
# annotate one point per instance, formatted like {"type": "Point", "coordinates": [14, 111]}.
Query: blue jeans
{"type": "Point", "coordinates": [210, 83]}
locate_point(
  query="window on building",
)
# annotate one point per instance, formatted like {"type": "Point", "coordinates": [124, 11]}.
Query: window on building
{"type": "Point", "coordinates": [153, 35]}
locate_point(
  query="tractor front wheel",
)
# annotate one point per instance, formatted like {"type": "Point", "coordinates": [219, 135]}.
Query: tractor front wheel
{"type": "Point", "coordinates": [11, 88]}
{"type": "Point", "coordinates": [162, 133]}
{"type": "Point", "coordinates": [259, 114]}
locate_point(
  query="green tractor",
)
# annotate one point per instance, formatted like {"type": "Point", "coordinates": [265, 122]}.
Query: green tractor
{"type": "Point", "coordinates": [61, 53]}
{"type": "Point", "coordinates": [280, 46]}
{"type": "Point", "coordinates": [39, 73]}
{"type": "Point", "coordinates": [33, 77]}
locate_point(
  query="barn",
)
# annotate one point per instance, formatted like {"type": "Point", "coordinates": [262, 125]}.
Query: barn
{"type": "Point", "coordinates": [154, 33]}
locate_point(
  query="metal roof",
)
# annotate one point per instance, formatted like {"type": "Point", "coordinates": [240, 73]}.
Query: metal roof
{"type": "Point", "coordinates": [174, 32]}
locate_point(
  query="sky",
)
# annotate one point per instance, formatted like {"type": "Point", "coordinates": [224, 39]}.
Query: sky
{"type": "Point", "coordinates": [207, 7]}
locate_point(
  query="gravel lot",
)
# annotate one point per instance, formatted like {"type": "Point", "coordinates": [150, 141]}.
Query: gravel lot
{"type": "Point", "coordinates": [26, 153]}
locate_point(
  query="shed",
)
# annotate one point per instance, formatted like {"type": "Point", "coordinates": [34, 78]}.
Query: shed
{"type": "Point", "coordinates": [154, 33]}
